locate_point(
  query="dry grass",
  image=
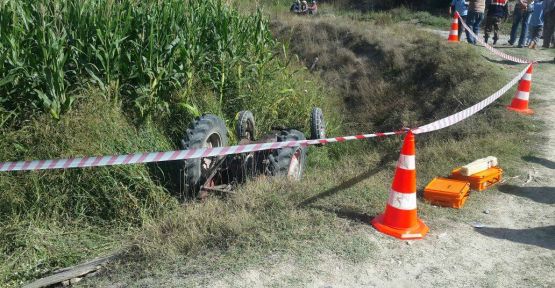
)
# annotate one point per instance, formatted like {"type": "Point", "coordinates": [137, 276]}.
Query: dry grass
{"type": "Point", "coordinates": [389, 76]}
{"type": "Point", "coordinates": [272, 221]}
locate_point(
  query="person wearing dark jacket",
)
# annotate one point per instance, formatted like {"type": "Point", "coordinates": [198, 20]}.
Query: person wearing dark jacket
{"type": "Point", "coordinates": [549, 22]}
{"type": "Point", "coordinates": [497, 10]}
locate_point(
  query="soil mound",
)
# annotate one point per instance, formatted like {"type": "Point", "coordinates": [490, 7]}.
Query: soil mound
{"type": "Point", "coordinates": [389, 75]}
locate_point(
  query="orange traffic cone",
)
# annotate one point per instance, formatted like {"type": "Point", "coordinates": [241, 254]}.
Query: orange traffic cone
{"type": "Point", "coordinates": [400, 218]}
{"type": "Point", "coordinates": [454, 33]}
{"type": "Point", "coordinates": [520, 101]}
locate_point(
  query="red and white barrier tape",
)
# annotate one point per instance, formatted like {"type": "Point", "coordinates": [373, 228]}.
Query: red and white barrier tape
{"type": "Point", "coordinates": [493, 50]}
{"type": "Point", "coordinates": [171, 155]}
{"type": "Point", "coordinates": [136, 158]}
{"type": "Point", "coordinates": [458, 117]}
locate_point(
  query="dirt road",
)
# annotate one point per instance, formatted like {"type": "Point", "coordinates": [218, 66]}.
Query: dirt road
{"type": "Point", "coordinates": [514, 248]}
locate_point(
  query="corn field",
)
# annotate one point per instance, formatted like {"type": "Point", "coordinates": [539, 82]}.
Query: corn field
{"type": "Point", "coordinates": [152, 55]}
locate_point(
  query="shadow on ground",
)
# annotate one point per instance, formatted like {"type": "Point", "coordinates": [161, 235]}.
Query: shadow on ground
{"type": "Point", "coordinates": [538, 194]}
{"type": "Point", "coordinates": [542, 161]}
{"type": "Point", "coordinates": [351, 182]}
{"type": "Point", "coordinates": [345, 185]}
{"type": "Point", "coordinates": [504, 62]}
{"type": "Point", "coordinates": [169, 175]}
{"type": "Point", "coordinates": [539, 236]}
{"type": "Point", "coordinates": [347, 213]}
{"type": "Point", "coordinates": [505, 48]}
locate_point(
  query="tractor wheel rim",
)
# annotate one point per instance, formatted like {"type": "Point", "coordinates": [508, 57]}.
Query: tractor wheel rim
{"type": "Point", "coordinates": [212, 141]}
{"type": "Point", "coordinates": [322, 133]}
{"type": "Point", "coordinates": [294, 171]}
{"type": "Point", "coordinates": [322, 127]}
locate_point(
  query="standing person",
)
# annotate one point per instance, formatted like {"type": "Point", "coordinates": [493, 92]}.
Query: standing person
{"type": "Point", "coordinates": [460, 6]}
{"type": "Point", "coordinates": [549, 22]}
{"type": "Point", "coordinates": [313, 8]}
{"type": "Point", "coordinates": [497, 10]}
{"type": "Point", "coordinates": [474, 18]}
{"type": "Point", "coordinates": [536, 24]}
{"type": "Point", "coordinates": [304, 7]}
{"type": "Point", "coordinates": [296, 7]}
{"type": "Point", "coordinates": [522, 14]}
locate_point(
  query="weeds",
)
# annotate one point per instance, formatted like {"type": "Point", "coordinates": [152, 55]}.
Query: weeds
{"type": "Point", "coordinates": [119, 63]}
{"type": "Point", "coordinates": [54, 218]}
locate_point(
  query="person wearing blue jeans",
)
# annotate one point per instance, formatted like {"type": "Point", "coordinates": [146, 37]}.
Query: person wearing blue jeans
{"type": "Point", "coordinates": [474, 18]}
{"type": "Point", "coordinates": [521, 15]}
{"type": "Point", "coordinates": [460, 6]}
{"type": "Point", "coordinates": [536, 24]}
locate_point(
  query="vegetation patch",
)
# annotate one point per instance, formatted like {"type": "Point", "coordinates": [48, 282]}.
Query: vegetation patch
{"type": "Point", "coordinates": [160, 59]}
{"type": "Point", "coordinates": [381, 77]}
{"type": "Point", "coordinates": [90, 78]}
{"type": "Point", "coordinates": [385, 77]}
{"type": "Point", "coordinates": [54, 218]}
{"type": "Point", "coordinates": [389, 76]}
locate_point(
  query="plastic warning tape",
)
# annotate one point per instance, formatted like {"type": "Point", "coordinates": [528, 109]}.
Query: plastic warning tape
{"type": "Point", "coordinates": [464, 114]}
{"type": "Point", "coordinates": [493, 50]}
{"type": "Point", "coordinates": [137, 158]}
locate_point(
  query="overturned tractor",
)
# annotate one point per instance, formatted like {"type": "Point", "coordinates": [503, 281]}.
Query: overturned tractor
{"type": "Point", "coordinates": [221, 174]}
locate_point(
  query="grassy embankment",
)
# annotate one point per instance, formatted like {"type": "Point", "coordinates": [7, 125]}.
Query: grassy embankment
{"type": "Point", "coordinates": [388, 76]}
{"type": "Point", "coordinates": [385, 78]}
{"type": "Point", "coordinates": [103, 77]}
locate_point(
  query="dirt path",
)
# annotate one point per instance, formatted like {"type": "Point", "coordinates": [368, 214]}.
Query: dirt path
{"type": "Point", "coordinates": [515, 248]}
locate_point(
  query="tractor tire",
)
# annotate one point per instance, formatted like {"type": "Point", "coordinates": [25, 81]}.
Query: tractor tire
{"type": "Point", "coordinates": [245, 126]}
{"type": "Point", "coordinates": [207, 132]}
{"type": "Point", "coordinates": [317, 124]}
{"type": "Point", "coordinates": [288, 161]}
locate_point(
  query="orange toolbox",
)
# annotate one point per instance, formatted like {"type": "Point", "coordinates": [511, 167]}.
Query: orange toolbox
{"type": "Point", "coordinates": [447, 192]}
{"type": "Point", "coordinates": [482, 180]}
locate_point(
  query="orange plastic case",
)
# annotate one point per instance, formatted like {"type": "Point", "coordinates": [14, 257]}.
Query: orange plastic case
{"type": "Point", "coordinates": [447, 192]}
{"type": "Point", "coordinates": [481, 180]}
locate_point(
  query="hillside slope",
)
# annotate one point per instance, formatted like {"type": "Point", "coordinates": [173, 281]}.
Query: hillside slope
{"type": "Point", "coordinates": [316, 233]}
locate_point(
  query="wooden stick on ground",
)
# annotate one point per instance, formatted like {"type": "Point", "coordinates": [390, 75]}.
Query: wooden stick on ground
{"type": "Point", "coordinates": [69, 273]}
